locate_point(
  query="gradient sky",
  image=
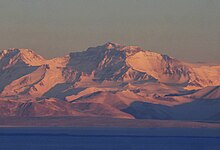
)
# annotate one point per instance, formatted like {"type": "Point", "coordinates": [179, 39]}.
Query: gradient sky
{"type": "Point", "coordinates": [185, 29]}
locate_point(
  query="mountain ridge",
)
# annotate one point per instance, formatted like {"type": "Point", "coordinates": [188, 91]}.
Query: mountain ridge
{"type": "Point", "coordinates": [110, 80]}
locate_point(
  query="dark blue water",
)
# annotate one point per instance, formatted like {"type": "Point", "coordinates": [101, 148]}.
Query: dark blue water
{"type": "Point", "coordinates": [105, 139]}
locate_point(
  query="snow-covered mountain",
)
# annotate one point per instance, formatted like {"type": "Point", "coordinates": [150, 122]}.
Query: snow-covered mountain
{"type": "Point", "coordinates": [110, 80]}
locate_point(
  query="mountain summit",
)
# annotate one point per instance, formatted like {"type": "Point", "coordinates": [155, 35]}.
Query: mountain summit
{"type": "Point", "coordinates": [109, 80]}
{"type": "Point", "coordinates": [18, 57]}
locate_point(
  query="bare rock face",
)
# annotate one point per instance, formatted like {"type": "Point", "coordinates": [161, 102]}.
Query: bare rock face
{"type": "Point", "coordinates": [110, 80]}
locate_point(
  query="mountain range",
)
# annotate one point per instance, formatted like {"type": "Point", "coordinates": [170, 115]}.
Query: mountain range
{"type": "Point", "coordinates": [110, 80]}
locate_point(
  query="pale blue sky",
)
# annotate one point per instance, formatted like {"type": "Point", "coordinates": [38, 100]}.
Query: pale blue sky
{"type": "Point", "coordinates": [185, 29]}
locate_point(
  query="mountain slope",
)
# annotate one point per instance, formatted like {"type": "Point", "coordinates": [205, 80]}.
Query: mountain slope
{"type": "Point", "coordinates": [110, 80]}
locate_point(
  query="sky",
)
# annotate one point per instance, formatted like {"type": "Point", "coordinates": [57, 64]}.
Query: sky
{"type": "Point", "coordinates": [186, 29]}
